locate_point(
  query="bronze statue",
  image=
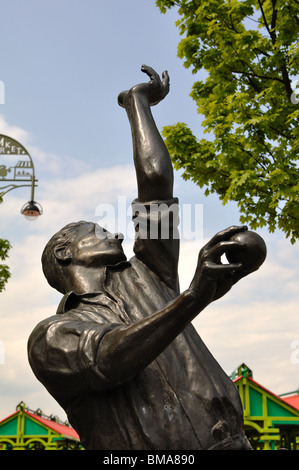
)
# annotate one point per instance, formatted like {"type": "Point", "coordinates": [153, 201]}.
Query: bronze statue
{"type": "Point", "coordinates": [121, 355]}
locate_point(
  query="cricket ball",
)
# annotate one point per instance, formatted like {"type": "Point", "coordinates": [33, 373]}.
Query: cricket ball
{"type": "Point", "coordinates": [251, 251]}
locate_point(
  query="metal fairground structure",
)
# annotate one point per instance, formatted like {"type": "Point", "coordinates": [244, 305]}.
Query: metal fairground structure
{"type": "Point", "coordinates": [270, 421]}
{"type": "Point", "coordinates": [26, 429]}
{"type": "Point", "coordinates": [17, 171]}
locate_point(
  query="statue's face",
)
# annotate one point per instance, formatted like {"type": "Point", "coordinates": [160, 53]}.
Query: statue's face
{"type": "Point", "coordinates": [90, 248]}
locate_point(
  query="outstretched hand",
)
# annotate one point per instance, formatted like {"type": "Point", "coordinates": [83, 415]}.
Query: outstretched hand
{"type": "Point", "coordinates": [213, 279]}
{"type": "Point", "coordinates": [155, 90]}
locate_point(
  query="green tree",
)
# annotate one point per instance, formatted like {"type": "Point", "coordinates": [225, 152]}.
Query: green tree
{"type": "Point", "coordinates": [4, 269]}
{"type": "Point", "coordinates": [249, 53]}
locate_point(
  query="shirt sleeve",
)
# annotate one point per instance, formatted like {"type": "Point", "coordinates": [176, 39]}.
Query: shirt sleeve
{"type": "Point", "coordinates": [157, 237]}
{"type": "Point", "coordinates": [62, 352]}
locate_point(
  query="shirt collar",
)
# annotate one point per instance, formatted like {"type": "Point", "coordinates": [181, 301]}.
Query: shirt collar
{"type": "Point", "coordinates": [68, 300]}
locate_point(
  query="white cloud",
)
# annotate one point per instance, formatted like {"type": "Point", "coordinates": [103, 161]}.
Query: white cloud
{"type": "Point", "coordinates": [257, 333]}
{"type": "Point", "coordinates": [15, 132]}
{"type": "Point", "coordinates": [47, 162]}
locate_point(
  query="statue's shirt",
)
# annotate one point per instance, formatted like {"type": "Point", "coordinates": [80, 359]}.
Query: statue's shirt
{"type": "Point", "coordinates": [182, 400]}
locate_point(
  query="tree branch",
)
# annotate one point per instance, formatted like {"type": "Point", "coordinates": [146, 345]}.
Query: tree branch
{"type": "Point", "coordinates": [265, 20]}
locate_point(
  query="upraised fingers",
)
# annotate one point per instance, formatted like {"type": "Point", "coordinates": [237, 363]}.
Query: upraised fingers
{"type": "Point", "coordinates": [150, 72]}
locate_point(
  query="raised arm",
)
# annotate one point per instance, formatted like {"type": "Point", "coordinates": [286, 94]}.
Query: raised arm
{"type": "Point", "coordinates": [152, 162]}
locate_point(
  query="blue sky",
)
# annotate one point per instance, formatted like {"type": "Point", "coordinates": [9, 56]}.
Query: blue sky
{"type": "Point", "coordinates": [63, 64]}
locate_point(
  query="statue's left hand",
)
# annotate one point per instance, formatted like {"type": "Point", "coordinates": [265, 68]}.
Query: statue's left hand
{"type": "Point", "coordinates": [155, 90]}
{"type": "Point", "coordinates": [213, 279]}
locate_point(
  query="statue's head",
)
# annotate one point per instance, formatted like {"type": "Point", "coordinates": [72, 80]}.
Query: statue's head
{"type": "Point", "coordinates": [79, 244]}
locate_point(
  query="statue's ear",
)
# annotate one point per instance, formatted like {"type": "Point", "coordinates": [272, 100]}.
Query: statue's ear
{"type": "Point", "coordinates": [62, 253]}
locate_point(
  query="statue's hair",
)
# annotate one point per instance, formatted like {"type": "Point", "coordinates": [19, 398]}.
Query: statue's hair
{"type": "Point", "coordinates": [53, 268]}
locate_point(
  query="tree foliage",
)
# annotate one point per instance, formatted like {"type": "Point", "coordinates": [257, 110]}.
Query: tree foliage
{"type": "Point", "coordinates": [249, 52]}
{"type": "Point", "coordinates": [4, 269]}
